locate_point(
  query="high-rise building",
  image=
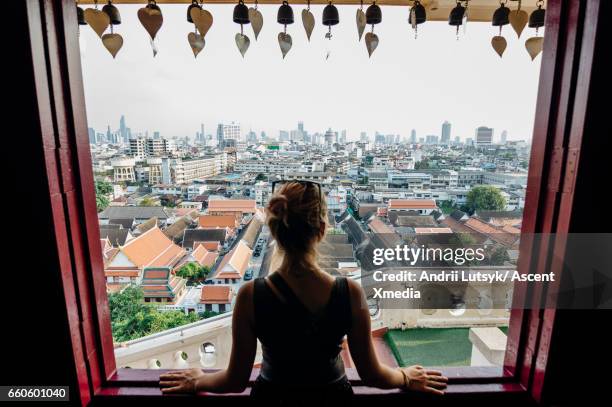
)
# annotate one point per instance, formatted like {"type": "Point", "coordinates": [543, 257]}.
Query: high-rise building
{"type": "Point", "coordinates": [413, 136]}
{"type": "Point", "coordinates": [484, 136]}
{"type": "Point", "coordinates": [231, 131]}
{"type": "Point", "coordinates": [446, 133]}
{"type": "Point", "coordinates": [330, 137]}
{"type": "Point", "coordinates": [363, 136]}
{"type": "Point", "coordinates": [220, 134]}
{"type": "Point", "coordinates": [431, 139]}
{"type": "Point", "coordinates": [504, 137]}
{"type": "Point", "coordinates": [123, 130]}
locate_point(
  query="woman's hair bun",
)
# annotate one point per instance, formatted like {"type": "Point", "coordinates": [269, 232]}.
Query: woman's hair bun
{"type": "Point", "coordinates": [279, 208]}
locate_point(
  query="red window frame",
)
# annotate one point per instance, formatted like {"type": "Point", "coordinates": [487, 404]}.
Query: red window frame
{"type": "Point", "coordinates": [571, 29]}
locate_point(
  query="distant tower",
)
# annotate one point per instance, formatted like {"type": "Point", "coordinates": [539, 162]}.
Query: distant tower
{"type": "Point", "coordinates": [220, 134]}
{"type": "Point", "coordinates": [446, 133]}
{"type": "Point", "coordinates": [504, 137]}
{"type": "Point", "coordinates": [484, 136]}
{"type": "Point", "coordinates": [413, 136]}
{"type": "Point", "coordinates": [123, 130]}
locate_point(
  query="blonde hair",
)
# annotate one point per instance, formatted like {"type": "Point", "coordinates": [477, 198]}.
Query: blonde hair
{"type": "Point", "coordinates": [297, 218]}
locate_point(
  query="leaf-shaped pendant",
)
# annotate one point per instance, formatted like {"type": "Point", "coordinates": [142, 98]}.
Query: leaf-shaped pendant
{"type": "Point", "coordinates": [202, 19]}
{"type": "Point", "coordinates": [151, 19]}
{"type": "Point", "coordinates": [98, 20]}
{"type": "Point", "coordinates": [518, 21]}
{"type": "Point", "coordinates": [309, 22]}
{"type": "Point", "coordinates": [285, 42]}
{"type": "Point", "coordinates": [113, 43]}
{"type": "Point", "coordinates": [243, 42]}
{"type": "Point", "coordinates": [534, 46]}
{"type": "Point", "coordinates": [256, 21]}
{"type": "Point", "coordinates": [361, 23]}
{"type": "Point", "coordinates": [371, 41]}
{"type": "Point", "coordinates": [499, 44]}
{"type": "Point", "coordinates": [196, 42]}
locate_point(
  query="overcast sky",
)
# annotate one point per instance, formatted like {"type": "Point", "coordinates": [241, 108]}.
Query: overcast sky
{"type": "Point", "coordinates": [406, 84]}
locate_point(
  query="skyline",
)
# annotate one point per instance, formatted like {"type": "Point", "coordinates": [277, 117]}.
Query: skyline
{"type": "Point", "coordinates": [152, 133]}
{"type": "Point", "coordinates": [169, 93]}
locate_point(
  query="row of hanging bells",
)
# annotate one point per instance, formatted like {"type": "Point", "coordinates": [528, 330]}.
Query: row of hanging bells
{"type": "Point", "coordinates": [518, 19]}
{"type": "Point", "coordinates": [151, 18]}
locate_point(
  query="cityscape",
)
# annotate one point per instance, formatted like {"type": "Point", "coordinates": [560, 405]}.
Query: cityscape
{"type": "Point", "coordinates": [182, 225]}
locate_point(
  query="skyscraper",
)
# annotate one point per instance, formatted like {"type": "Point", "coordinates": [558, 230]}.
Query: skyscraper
{"type": "Point", "coordinates": [484, 136]}
{"type": "Point", "coordinates": [504, 137]}
{"type": "Point", "coordinates": [231, 131]}
{"type": "Point", "coordinates": [413, 136]}
{"type": "Point", "coordinates": [123, 130]}
{"type": "Point", "coordinates": [446, 133]}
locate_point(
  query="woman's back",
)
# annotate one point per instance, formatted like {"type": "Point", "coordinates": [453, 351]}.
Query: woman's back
{"type": "Point", "coordinates": [299, 344]}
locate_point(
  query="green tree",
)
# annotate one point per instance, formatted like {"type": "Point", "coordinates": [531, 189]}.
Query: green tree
{"type": "Point", "coordinates": [147, 202]}
{"type": "Point", "coordinates": [485, 197]}
{"type": "Point", "coordinates": [132, 318]}
{"type": "Point", "coordinates": [193, 272]}
{"type": "Point", "coordinates": [103, 189]}
{"type": "Point", "coordinates": [422, 165]}
{"type": "Point", "coordinates": [261, 177]}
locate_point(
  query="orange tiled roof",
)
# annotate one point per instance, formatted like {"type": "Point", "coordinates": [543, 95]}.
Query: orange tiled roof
{"type": "Point", "coordinates": [210, 245]}
{"type": "Point", "coordinates": [235, 263]}
{"type": "Point", "coordinates": [204, 257]}
{"type": "Point", "coordinates": [216, 294]}
{"type": "Point", "coordinates": [377, 226]}
{"type": "Point", "coordinates": [432, 230]}
{"type": "Point", "coordinates": [488, 230]}
{"type": "Point", "coordinates": [232, 205]}
{"type": "Point", "coordinates": [412, 204]}
{"type": "Point", "coordinates": [153, 249]}
{"type": "Point", "coordinates": [217, 221]}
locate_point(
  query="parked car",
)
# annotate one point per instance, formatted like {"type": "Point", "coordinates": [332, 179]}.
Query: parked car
{"type": "Point", "coordinates": [248, 275]}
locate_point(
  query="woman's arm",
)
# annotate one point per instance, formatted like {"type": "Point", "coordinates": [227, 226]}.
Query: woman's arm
{"type": "Point", "coordinates": [371, 371]}
{"type": "Point", "coordinates": [244, 345]}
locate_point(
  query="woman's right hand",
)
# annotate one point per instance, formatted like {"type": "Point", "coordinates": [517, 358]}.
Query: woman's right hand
{"type": "Point", "coordinates": [421, 379]}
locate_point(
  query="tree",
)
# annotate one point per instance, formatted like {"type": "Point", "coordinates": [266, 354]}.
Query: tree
{"type": "Point", "coordinates": [422, 165]}
{"type": "Point", "coordinates": [147, 202]}
{"type": "Point", "coordinates": [132, 318]}
{"type": "Point", "coordinates": [193, 272]}
{"type": "Point", "coordinates": [103, 189]}
{"type": "Point", "coordinates": [261, 177]}
{"type": "Point", "coordinates": [485, 197]}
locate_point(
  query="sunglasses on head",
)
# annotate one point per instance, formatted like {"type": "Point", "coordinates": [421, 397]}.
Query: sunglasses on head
{"type": "Point", "coordinates": [301, 182]}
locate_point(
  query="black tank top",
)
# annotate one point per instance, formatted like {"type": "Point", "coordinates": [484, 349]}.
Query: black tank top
{"type": "Point", "coordinates": [298, 346]}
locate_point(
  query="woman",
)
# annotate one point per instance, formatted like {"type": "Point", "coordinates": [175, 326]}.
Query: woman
{"type": "Point", "coordinates": [301, 314]}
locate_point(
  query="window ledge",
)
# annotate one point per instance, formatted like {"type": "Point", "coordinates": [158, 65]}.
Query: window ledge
{"type": "Point", "coordinates": [464, 382]}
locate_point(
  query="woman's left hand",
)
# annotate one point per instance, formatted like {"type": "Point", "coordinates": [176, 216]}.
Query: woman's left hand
{"type": "Point", "coordinates": [182, 381]}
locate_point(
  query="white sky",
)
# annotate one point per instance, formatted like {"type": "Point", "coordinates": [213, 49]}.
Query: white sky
{"type": "Point", "coordinates": [406, 84]}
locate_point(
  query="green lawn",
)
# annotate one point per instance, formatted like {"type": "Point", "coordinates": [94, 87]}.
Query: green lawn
{"type": "Point", "coordinates": [431, 346]}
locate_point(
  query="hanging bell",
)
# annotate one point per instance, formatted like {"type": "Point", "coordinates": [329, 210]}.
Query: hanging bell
{"type": "Point", "coordinates": [113, 13]}
{"type": "Point", "coordinates": [501, 16]}
{"type": "Point", "coordinates": [81, 16]}
{"type": "Point", "coordinates": [241, 13]}
{"type": "Point", "coordinates": [285, 14]}
{"type": "Point", "coordinates": [418, 11]}
{"type": "Point", "coordinates": [194, 4]}
{"type": "Point", "coordinates": [330, 15]}
{"type": "Point", "coordinates": [536, 19]}
{"type": "Point", "coordinates": [153, 6]}
{"type": "Point", "coordinates": [455, 17]}
{"type": "Point", "coordinates": [373, 14]}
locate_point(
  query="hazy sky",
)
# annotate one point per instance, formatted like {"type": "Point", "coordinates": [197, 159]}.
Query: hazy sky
{"type": "Point", "coordinates": [406, 84]}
